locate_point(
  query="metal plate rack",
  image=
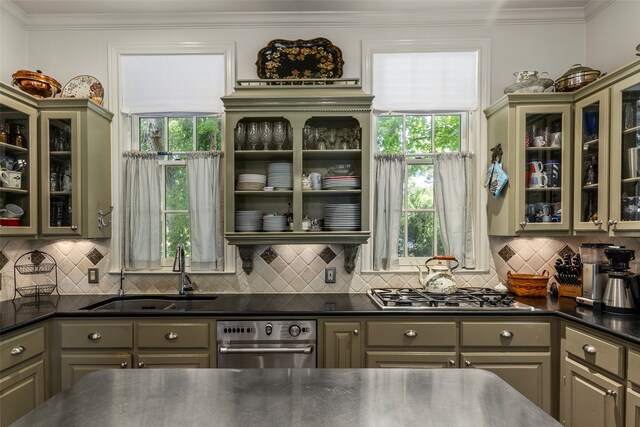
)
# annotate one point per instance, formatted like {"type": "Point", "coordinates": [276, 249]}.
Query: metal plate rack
{"type": "Point", "coordinates": [32, 263]}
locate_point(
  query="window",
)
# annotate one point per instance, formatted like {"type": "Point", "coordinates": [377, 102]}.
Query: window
{"type": "Point", "coordinates": [175, 134]}
{"type": "Point", "coordinates": [417, 136]}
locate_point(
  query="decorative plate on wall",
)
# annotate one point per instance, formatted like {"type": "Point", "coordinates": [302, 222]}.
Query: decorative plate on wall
{"type": "Point", "coordinates": [84, 87]}
{"type": "Point", "coordinates": [300, 59]}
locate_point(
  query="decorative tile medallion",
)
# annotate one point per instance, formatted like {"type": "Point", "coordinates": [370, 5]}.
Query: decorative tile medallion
{"type": "Point", "coordinates": [3, 260]}
{"type": "Point", "coordinates": [37, 257]}
{"type": "Point", "coordinates": [269, 255]}
{"type": "Point", "coordinates": [566, 250]}
{"type": "Point", "coordinates": [95, 256]}
{"type": "Point", "coordinates": [506, 253]}
{"type": "Point", "coordinates": [327, 255]}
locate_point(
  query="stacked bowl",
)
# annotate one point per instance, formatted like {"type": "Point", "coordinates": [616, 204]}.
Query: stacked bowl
{"type": "Point", "coordinates": [280, 176]}
{"type": "Point", "coordinates": [248, 220]}
{"type": "Point", "coordinates": [251, 181]}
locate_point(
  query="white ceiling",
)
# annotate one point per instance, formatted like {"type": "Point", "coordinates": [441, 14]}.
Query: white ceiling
{"type": "Point", "coordinates": [47, 7]}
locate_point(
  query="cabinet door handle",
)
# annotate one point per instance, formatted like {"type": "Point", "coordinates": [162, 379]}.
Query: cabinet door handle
{"type": "Point", "coordinates": [124, 365]}
{"type": "Point", "coordinates": [356, 332]}
{"type": "Point", "coordinates": [74, 227]}
{"type": "Point", "coordinates": [140, 364]}
{"type": "Point", "coordinates": [506, 334]}
{"type": "Point", "coordinates": [410, 333]}
{"type": "Point", "coordinates": [171, 336]}
{"type": "Point", "coordinates": [612, 222]}
{"type": "Point", "coordinates": [611, 393]}
{"type": "Point", "coordinates": [523, 224]}
{"type": "Point", "coordinates": [94, 336]}
{"type": "Point", "coordinates": [17, 350]}
{"type": "Point", "coordinates": [597, 222]}
{"type": "Point", "coordinates": [452, 362]}
{"type": "Point", "coordinates": [589, 349]}
{"type": "Point", "coordinates": [467, 363]}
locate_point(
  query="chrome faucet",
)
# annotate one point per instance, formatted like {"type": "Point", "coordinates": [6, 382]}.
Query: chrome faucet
{"type": "Point", "coordinates": [178, 267]}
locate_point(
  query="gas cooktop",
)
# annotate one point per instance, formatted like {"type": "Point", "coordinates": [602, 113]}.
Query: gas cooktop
{"type": "Point", "coordinates": [463, 298]}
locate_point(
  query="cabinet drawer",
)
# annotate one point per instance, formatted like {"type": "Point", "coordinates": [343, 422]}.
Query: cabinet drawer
{"type": "Point", "coordinates": [411, 334]}
{"type": "Point", "coordinates": [173, 335]}
{"type": "Point", "coordinates": [501, 334]}
{"type": "Point", "coordinates": [601, 353]}
{"type": "Point", "coordinates": [21, 348]}
{"type": "Point", "coordinates": [633, 367]}
{"type": "Point", "coordinates": [96, 335]}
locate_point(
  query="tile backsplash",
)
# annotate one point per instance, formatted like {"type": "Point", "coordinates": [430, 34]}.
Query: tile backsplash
{"type": "Point", "coordinates": [276, 269]}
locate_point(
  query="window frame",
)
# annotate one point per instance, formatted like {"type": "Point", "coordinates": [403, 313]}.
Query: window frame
{"type": "Point", "coordinates": [121, 135]}
{"type": "Point", "coordinates": [477, 140]}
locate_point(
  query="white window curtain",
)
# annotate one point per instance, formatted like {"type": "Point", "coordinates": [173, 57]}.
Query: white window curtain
{"type": "Point", "coordinates": [425, 81]}
{"type": "Point", "coordinates": [172, 83]}
{"type": "Point", "coordinates": [142, 215]}
{"type": "Point", "coordinates": [205, 207]}
{"type": "Point", "coordinates": [389, 170]}
{"type": "Point", "coordinates": [454, 201]}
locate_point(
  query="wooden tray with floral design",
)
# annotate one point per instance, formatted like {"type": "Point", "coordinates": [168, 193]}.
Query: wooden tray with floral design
{"type": "Point", "coordinates": [300, 59]}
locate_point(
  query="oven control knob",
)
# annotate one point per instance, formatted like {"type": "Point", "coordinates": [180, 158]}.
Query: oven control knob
{"type": "Point", "coordinates": [294, 330]}
{"type": "Point", "coordinates": [268, 328]}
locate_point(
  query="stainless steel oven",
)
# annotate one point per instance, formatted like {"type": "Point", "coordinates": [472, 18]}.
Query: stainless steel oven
{"type": "Point", "coordinates": [266, 344]}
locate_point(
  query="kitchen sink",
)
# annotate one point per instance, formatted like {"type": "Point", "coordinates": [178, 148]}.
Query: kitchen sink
{"type": "Point", "coordinates": [155, 303]}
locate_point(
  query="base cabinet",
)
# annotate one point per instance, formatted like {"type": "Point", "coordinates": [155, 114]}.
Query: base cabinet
{"type": "Point", "coordinates": [590, 398]}
{"type": "Point", "coordinates": [342, 345]}
{"type": "Point", "coordinates": [75, 366]}
{"type": "Point", "coordinates": [633, 409]}
{"type": "Point", "coordinates": [529, 373]}
{"type": "Point", "coordinates": [21, 390]}
{"type": "Point", "coordinates": [409, 359]}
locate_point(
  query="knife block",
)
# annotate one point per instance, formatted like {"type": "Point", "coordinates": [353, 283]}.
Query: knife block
{"type": "Point", "coordinates": [565, 290]}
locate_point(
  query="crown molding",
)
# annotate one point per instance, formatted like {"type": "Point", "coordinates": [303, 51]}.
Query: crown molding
{"type": "Point", "coordinates": [14, 13]}
{"type": "Point", "coordinates": [594, 7]}
{"type": "Point", "coordinates": [164, 21]}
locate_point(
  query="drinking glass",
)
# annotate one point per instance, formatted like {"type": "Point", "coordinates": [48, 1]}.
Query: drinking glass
{"type": "Point", "coordinates": [265, 134]}
{"type": "Point", "coordinates": [308, 137]}
{"type": "Point", "coordinates": [240, 135]}
{"type": "Point", "coordinates": [253, 136]}
{"type": "Point", "coordinates": [357, 135]}
{"type": "Point", "coordinates": [321, 143]}
{"type": "Point", "coordinates": [345, 141]}
{"type": "Point", "coordinates": [331, 138]}
{"type": "Point", "coordinates": [279, 134]}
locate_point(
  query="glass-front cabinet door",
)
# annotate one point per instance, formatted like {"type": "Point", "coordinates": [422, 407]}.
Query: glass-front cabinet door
{"type": "Point", "coordinates": [60, 166]}
{"type": "Point", "coordinates": [544, 175]}
{"type": "Point", "coordinates": [591, 160]}
{"type": "Point", "coordinates": [625, 156]}
{"type": "Point", "coordinates": [18, 163]}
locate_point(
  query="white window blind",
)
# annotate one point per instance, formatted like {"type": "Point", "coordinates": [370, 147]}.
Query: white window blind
{"type": "Point", "coordinates": [425, 81]}
{"type": "Point", "coordinates": [172, 83]}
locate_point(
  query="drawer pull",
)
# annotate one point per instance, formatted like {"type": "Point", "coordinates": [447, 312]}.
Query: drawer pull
{"type": "Point", "coordinates": [124, 365]}
{"type": "Point", "coordinates": [171, 336]}
{"type": "Point", "coordinates": [467, 363]}
{"type": "Point", "coordinates": [506, 334]}
{"type": "Point", "coordinates": [589, 349]}
{"type": "Point", "coordinates": [410, 333]}
{"type": "Point", "coordinates": [94, 336]}
{"type": "Point", "coordinates": [452, 362]}
{"type": "Point", "coordinates": [611, 393]}
{"type": "Point", "coordinates": [15, 351]}
{"type": "Point", "coordinates": [356, 332]}
{"type": "Point", "coordinates": [140, 364]}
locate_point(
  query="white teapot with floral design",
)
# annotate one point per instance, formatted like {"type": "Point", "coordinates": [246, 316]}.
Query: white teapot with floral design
{"type": "Point", "coordinates": [439, 275]}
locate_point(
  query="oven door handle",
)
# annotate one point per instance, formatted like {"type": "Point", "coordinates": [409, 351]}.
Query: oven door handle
{"type": "Point", "coordinates": [262, 350]}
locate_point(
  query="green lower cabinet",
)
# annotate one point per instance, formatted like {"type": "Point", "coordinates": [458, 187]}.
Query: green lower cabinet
{"type": "Point", "coordinates": [21, 390]}
{"type": "Point", "coordinates": [590, 399]}
{"type": "Point", "coordinates": [633, 408]}
{"type": "Point", "coordinates": [77, 365]}
{"type": "Point", "coordinates": [409, 359]}
{"type": "Point", "coordinates": [527, 372]}
{"type": "Point", "coordinates": [156, 361]}
{"type": "Point", "coordinates": [342, 345]}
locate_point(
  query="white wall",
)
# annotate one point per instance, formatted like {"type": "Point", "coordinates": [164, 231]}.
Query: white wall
{"type": "Point", "coordinates": [13, 47]}
{"type": "Point", "coordinates": [544, 47]}
{"type": "Point", "coordinates": [612, 36]}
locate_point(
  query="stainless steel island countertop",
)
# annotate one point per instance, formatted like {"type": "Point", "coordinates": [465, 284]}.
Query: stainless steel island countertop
{"type": "Point", "coordinates": [289, 397]}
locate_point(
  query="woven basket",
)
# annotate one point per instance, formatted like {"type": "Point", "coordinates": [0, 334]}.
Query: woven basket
{"type": "Point", "coordinates": [528, 285]}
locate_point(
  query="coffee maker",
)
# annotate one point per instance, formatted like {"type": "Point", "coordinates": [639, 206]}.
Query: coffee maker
{"type": "Point", "coordinates": [623, 287]}
{"type": "Point", "coordinates": [594, 273]}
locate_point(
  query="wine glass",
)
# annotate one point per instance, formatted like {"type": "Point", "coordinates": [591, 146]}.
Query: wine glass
{"type": "Point", "coordinates": [321, 143]}
{"type": "Point", "coordinates": [240, 135]}
{"type": "Point", "coordinates": [355, 142]}
{"type": "Point", "coordinates": [265, 134]}
{"type": "Point", "coordinates": [307, 137]}
{"type": "Point", "coordinates": [331, 138]}
{"type": "Point", "coordinates": [279, 134]}
{"type": "Point", "coordinates": [345, 141]}
{"type": "Point", "coordinates": [252, 135]}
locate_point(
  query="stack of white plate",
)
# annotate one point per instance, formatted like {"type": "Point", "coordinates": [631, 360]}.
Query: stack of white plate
{"type": "Point", "coordinates": [251, 181]}
{"type": "Point", "coordinates": [274, 222]}
{"type": "Point", "coordinates": [341, 183]}
{"type": "Point", "coordinates": [342, 217]}
{"type": "Point", "coordinates": [248, 220]}
{"type": "Point", "coordinates": [281, 176]}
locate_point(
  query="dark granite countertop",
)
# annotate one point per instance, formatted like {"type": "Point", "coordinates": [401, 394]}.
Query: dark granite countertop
{"type": "Point", "coordinates": [24, 312]}
{"type": "Point", "coordinates": [296, 397]}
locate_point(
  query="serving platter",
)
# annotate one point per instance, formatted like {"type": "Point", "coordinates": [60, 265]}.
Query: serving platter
{"type": "Point", "coordinates": [84, 86]}
{"type": "Point", "coordinates": [300, 59]}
